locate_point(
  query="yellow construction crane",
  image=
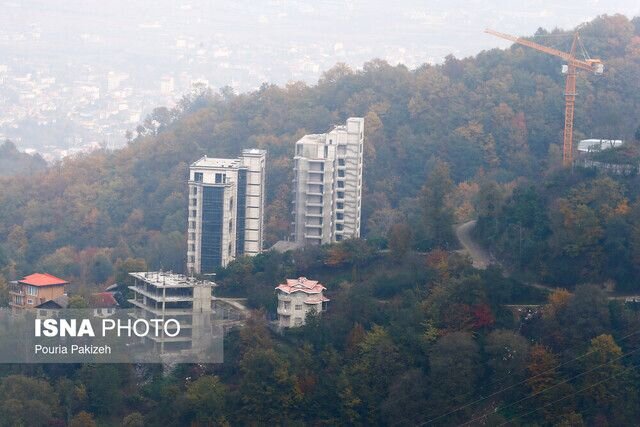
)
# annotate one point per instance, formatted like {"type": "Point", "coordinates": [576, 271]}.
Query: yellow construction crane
{"type": "Point", "coordinates": [571, 70]}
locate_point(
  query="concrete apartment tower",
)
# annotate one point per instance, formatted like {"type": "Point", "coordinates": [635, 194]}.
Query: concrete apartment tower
{"type": "Point", "coordinates": [328, 185]}
{"type": "Point", "coordinates": [160, 295]}
{"type": "Point", "coordinates": [226, 210]}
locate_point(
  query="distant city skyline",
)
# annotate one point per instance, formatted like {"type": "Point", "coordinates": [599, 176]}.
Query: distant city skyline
{"type": "Point", "coordinates": [75, 75]}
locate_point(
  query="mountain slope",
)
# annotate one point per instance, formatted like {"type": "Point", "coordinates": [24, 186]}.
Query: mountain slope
{"type": "Point", "coordinates": [14, 162]}
{"type": "Point", "coordinates": [499, 114]}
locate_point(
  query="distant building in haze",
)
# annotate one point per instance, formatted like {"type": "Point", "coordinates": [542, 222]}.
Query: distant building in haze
{"type": "Point", "coordinates": [327, 199]}
{"type": "Point", "coordinates": [226, 210]}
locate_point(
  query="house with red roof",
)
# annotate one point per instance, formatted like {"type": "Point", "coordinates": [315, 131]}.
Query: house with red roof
{"type": "Point", "coordinates": [297, 298]}
{"type": "Point", "coordinates": [103, 304]}
{"type": "Point", "coordinates": [34, 290]}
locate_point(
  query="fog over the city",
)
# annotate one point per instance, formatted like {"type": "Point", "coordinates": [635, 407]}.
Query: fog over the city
{"type": "Point", "coordinates": [76, 74]}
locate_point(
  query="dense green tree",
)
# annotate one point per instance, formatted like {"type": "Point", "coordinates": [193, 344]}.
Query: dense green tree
{"type": "Point", "coordinates": [399, 240]}
{"type": "Point", "coordinates": [27, 401]}
{"type": "Point", "coordinates": [407, 401]}
{"type": "Point", "coordinates": [267, 387]}
{"type": "Point", "coordinates": [453, 362]}
{"type": "Point", "coordinates": [82, 419]}
{"type": "Point", "coordinates": [437, 215]}
{"type": "Point", "coordinates": [375, 365]}
{"type": "Point", "coordinates": [4, 293]}
{"type": "Point", "coordinates": [77, 302]}
{"type": "Point", "coordinates": [206, 399]}
{"type": "Point", "coordinates": [507, 354]}
{"type": "Point", "coordinates": [105, 387]}
{"type": "Point", "coordinates": [134, 419]}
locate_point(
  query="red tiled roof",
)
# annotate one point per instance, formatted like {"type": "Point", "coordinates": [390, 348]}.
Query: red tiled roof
{"type": "Point", "coordinates": [316, 300]}
{"type": "Point", "coordinates": [103, 300]}
{"type": "Point", "coordinates": [301, 284]}
{"type": "Point", "coordinates": [42, 279]}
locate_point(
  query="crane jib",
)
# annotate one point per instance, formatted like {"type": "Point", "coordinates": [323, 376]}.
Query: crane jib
{"type": "Point", "coordinates": [570, 69]}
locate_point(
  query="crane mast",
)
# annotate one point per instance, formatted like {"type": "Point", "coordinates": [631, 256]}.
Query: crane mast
{"type": "Point", "coordinates": [571, 70]}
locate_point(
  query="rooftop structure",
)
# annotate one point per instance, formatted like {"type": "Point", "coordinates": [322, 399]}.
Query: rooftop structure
{"type": "Point", "coordinates": [595, 145]}
{"type": "Point", "coordinates": [226, 210]}
{"type": "Point", "coordinates": [297, 298]}
{"type": "Point", "coordinates": [42, 279]}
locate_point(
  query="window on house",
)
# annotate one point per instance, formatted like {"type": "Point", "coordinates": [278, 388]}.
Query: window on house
{"type": "Point", "coordinates": [298, 306]}
{"type": "Point", "coordinates": [338, 237]}
{"type": "Point", "coordinates": [340, 194]}
{"type": "Point", "coordinates": [339, 216]}
{"type": "Point", "coordinates": [29, 301]}
{"type": "Point", "coordinates": [194, 202]}
{"type": "Point", "coordinates": [341, 173]}
{"type": "Point", "coordinates": [339, 227]}
{"type": "Point", "coordinates": [198, 176]}
{"type": "Point", "coordinates": [326, 151]}
{"type": "Point", "coordinates": [220, 178]}
{"type": "Point", "coordinates": [194, 191]}
{"type": "Point", "coordinates": [287, 305]}
{"type": "Point", "coordinates": [299, 150]}
{"type": "Point", "coordinates": [340, 184]}
{"type": "Point", "coordinates": [341, 162]}
{"type": "Point", "coordinates": [340, 205]}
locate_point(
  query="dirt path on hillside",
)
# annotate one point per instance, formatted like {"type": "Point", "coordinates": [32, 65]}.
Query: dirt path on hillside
{"type": "Point", "coordinates": [480, 256]}
{"type": "Point", "coordinates": [482, 259]}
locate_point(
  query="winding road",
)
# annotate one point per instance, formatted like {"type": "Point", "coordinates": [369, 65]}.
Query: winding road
{"type": "Point", "coordinates": [481, 259]}
{"type": "Point", "coordinates": [480, 256]}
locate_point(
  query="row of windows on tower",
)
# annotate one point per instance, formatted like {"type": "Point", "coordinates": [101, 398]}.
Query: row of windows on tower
{"type": "Point", "coordinates": [341, 150]}
{"type": "Point", "coordinates": [219, 178]}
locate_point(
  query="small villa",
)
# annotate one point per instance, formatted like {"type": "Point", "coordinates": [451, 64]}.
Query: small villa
{"type": "Point", "coordinates": [296, 298]}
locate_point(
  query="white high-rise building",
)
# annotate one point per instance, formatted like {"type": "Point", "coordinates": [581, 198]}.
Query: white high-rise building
{"type": "Point", "coordinates": [328, 185]}
{"type": "Point", "coordinates": [226, 210]}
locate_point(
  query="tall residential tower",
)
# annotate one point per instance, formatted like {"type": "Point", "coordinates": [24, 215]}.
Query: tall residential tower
{"type": "Point", "coordinates": [328, 184]}
{"type": "Point", "coordinates": [226, 210]}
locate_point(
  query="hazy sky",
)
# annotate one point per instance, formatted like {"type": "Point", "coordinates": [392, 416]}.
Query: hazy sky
{"type": "Point", "coordinates": [307, 35]}
{"type": "Point", "coordinates": [78, 44]}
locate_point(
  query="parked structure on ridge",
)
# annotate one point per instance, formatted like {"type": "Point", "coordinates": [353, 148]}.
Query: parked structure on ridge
{"type": "Point", "coordinates": [595, 145]}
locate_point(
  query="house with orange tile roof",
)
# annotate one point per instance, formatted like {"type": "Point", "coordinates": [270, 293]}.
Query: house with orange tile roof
{"type": "Point", "coordinates": [34, 290]}
{"type": "Point", "coordinates": [297, 298]}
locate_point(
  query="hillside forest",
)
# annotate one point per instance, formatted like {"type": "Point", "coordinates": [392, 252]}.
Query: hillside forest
{"type": "Point", "coordinates": [414, 335]}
